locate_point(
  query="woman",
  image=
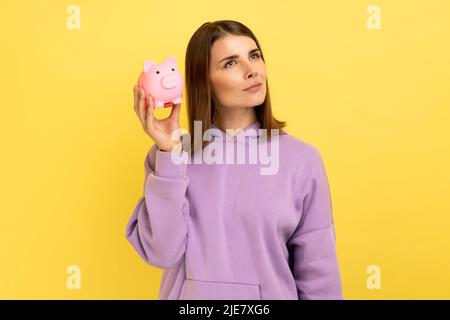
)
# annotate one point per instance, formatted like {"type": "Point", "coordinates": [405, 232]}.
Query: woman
{"type": "Point", "coordinates": [226, 231]}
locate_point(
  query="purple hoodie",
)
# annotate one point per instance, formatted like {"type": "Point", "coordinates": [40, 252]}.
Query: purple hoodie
{"type": "Point", "coordinates": [226, 231]}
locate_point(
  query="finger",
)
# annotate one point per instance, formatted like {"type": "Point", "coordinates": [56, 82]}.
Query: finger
{"type": "Point", "coordinates": [149, 117]}
{"type": "Point", "coordinates": [150, 102]}
{"type": "Point", "coordinates": [136, 98]}
{"type": "Point", "coordinates": [141, 106]}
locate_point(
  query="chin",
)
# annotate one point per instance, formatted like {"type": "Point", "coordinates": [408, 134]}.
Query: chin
{"type": "Point", "coordinates": [256, 101]}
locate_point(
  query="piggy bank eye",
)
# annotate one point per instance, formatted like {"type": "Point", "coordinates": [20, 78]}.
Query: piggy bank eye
{"type": "Point", "coordinates": [157, 72]}
{"type": "Point", "coordinates": [173, 69]}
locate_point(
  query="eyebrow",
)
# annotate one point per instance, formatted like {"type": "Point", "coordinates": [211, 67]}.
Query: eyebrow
{"type": "Point", "coordinates": [236, 56]}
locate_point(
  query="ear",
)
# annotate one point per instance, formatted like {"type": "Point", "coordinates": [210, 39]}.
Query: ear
{"type": "Point", "coordinates": [171, 60]}
{"type": "Point", "coordinates": [148, 64]}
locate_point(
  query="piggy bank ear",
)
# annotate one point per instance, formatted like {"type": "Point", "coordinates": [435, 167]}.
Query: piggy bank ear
{"type": "Point", "coordinates": [171, 60]}
{"type": "Point", "coordinates": [148, 64]}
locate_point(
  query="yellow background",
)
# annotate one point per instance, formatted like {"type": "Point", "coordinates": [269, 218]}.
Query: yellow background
{"type": "Point", "coordinates": [375, 103]}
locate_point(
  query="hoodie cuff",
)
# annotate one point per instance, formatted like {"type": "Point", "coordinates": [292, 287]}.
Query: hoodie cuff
{"type": "Point", "coordinates": [168, 168]}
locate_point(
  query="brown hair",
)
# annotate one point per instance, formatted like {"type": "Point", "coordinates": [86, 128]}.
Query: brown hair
{"type": "Point", "coordinates": [198, 89]}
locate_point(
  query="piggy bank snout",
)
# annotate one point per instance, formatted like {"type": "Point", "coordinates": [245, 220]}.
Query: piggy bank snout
{"type": "Point", "coordinates": [169, 82]}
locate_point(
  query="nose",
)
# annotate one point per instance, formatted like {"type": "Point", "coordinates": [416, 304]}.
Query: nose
{"type": "Point", "coordinates": [169, 82]}
{"type": "Point", "coordinates": [251, 72]}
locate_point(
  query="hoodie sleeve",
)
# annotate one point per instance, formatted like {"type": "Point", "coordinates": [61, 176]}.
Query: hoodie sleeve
{"type": "Point", "coordinates": [159, 223]}
{"type": "Point", "coordinates": [312, 247]}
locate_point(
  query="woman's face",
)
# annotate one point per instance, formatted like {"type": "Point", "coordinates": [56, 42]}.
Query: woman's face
{"type": "Point", "coordinates": [230, 76]}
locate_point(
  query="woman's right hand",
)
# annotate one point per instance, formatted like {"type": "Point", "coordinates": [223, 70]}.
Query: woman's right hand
{"type": "Point", "coordinates": [159, 130]}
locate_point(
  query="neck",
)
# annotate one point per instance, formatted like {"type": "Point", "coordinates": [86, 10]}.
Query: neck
{"type": "Point", "coordinates": [234, 118]}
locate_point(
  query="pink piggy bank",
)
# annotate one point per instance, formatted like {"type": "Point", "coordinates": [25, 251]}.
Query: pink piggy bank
{"type": "Point", "coordinates": [163, 82]}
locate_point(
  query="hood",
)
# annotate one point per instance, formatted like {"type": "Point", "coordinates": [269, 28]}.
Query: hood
{"type": "Point", "coordinates": [251, 131]}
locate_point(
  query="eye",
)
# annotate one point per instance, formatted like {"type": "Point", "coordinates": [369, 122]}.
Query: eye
{"type": "Point", "coordinates": [255, 54]}
{"type": "Point", "coordinates": [226, 64]}
{"type": "Point", "coordinates": [157, 72]}
{"type": "Point", "coordinates": [173, 69]}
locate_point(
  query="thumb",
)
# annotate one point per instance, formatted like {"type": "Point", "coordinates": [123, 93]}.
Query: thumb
{"type": "Point", "coordinates": [175, 113]}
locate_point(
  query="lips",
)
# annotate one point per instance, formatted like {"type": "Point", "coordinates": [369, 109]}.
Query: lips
{"type": "Point", "coordinates": [253, 86]}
